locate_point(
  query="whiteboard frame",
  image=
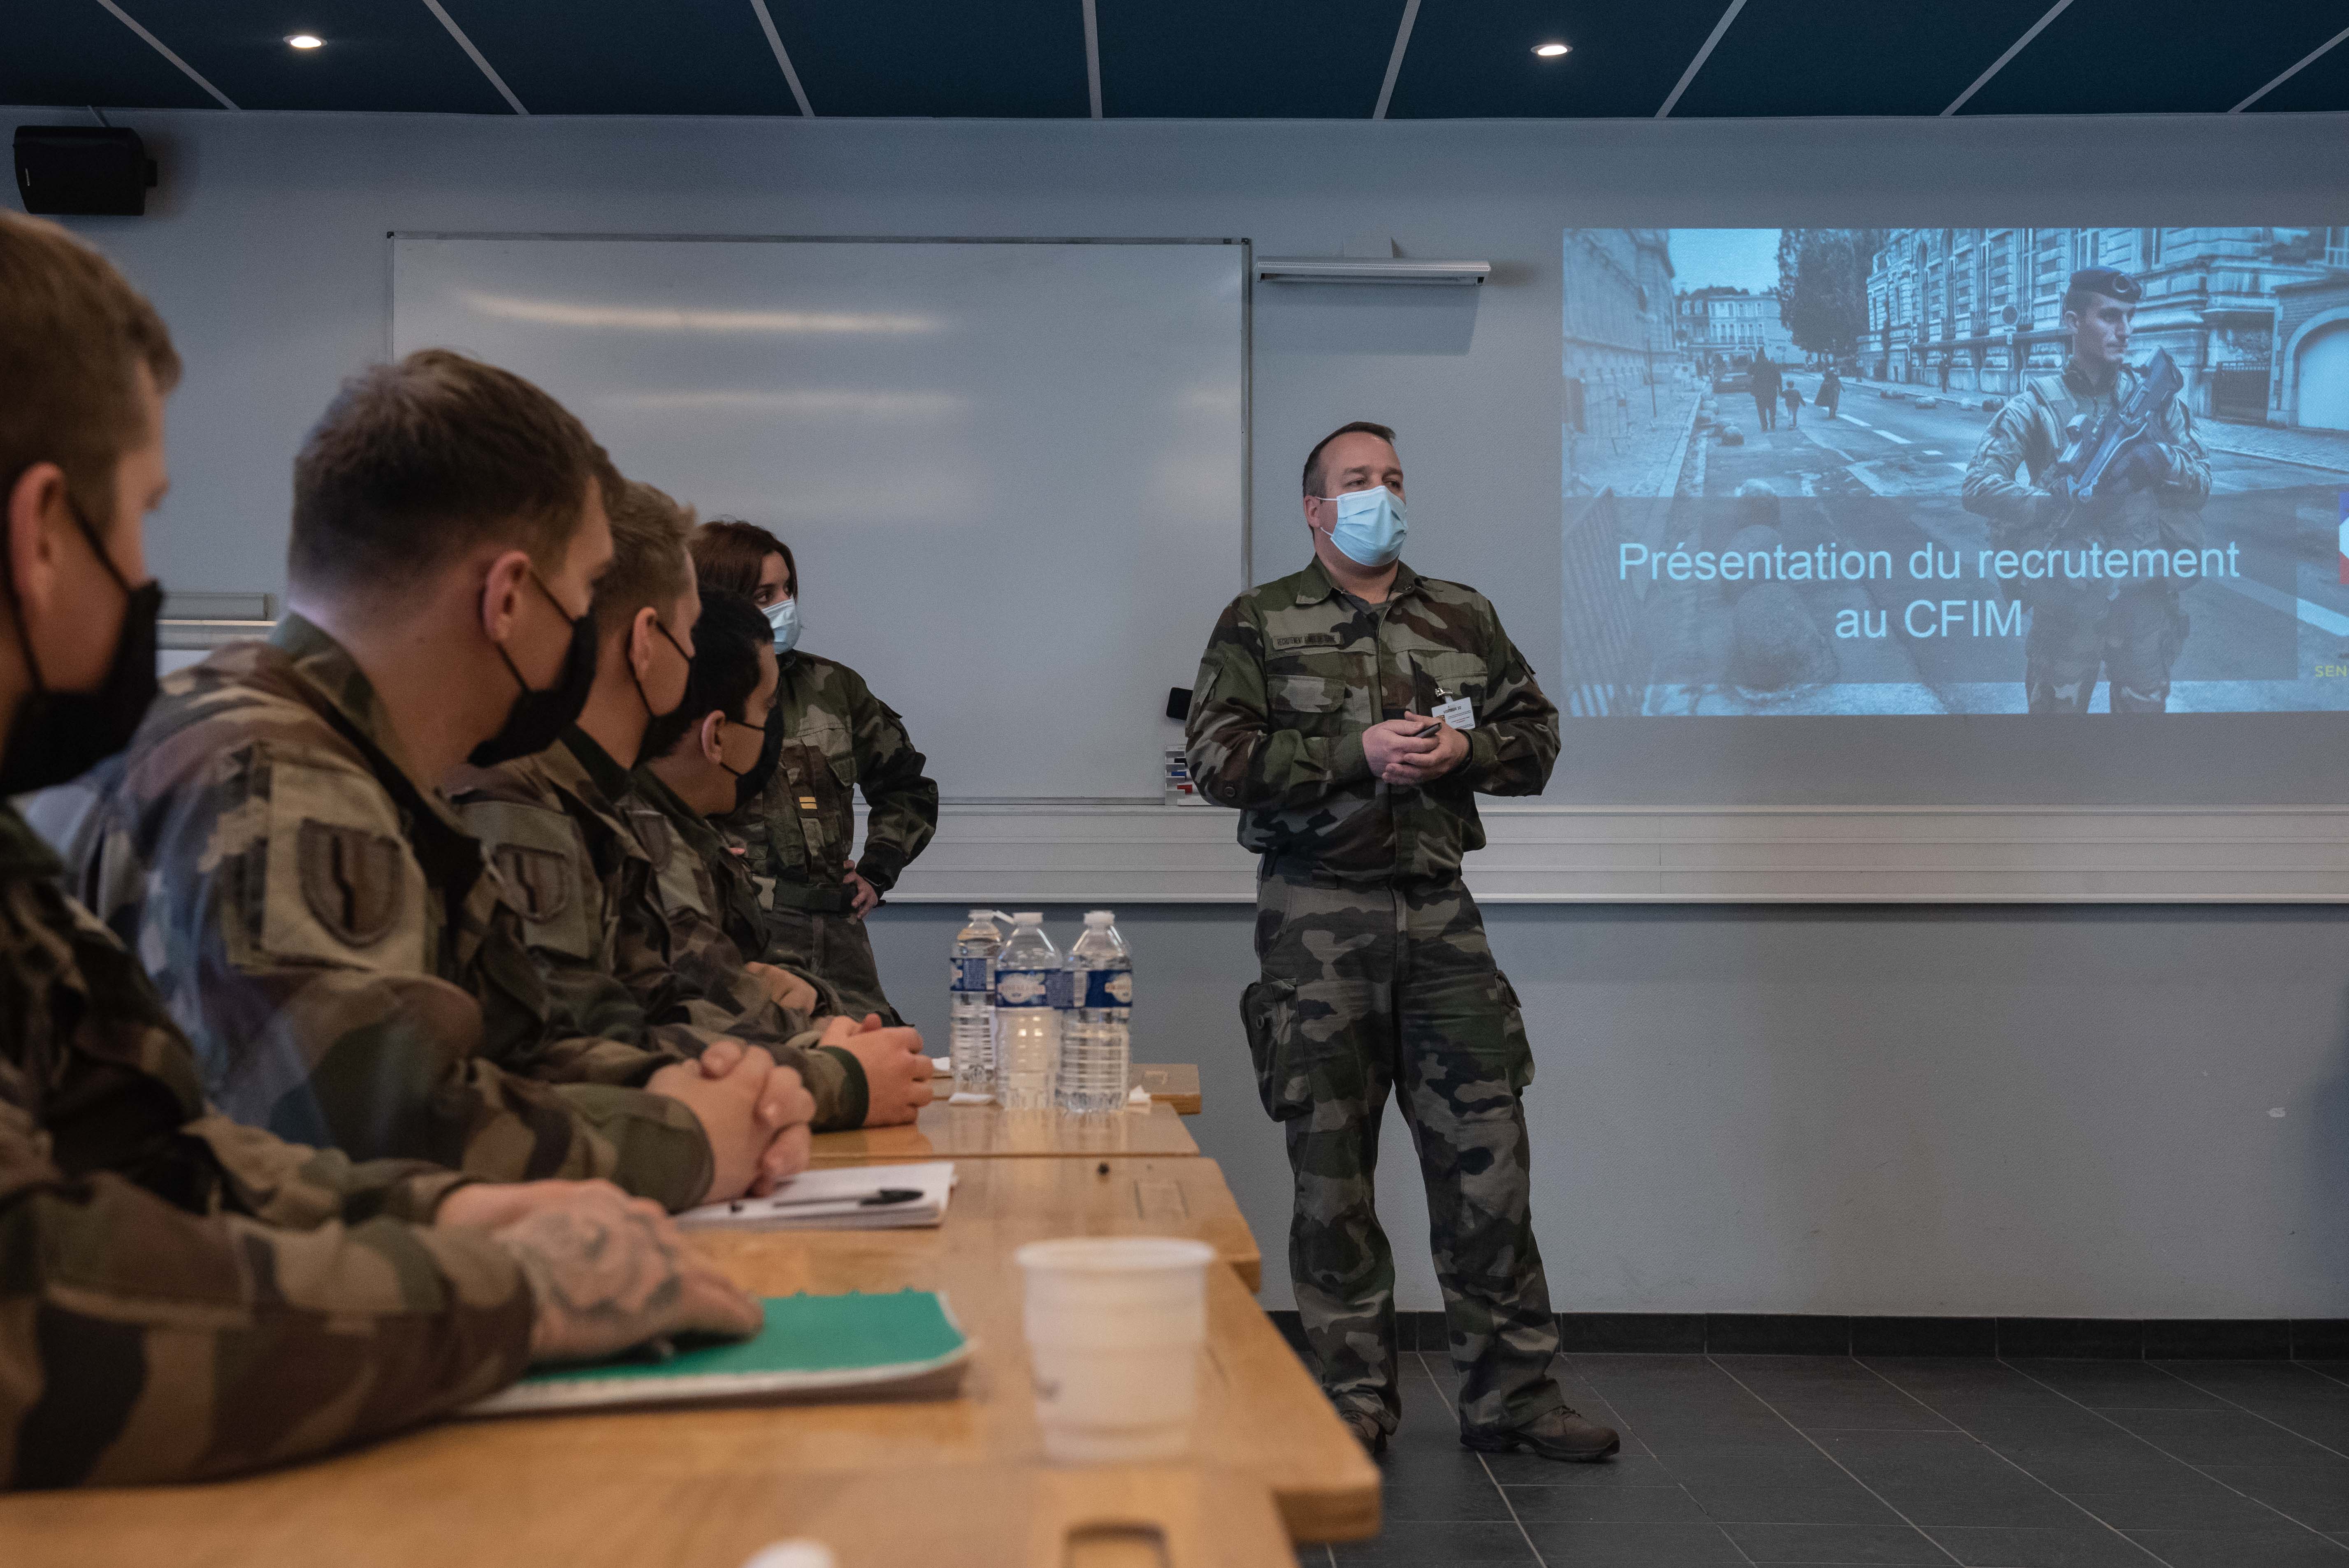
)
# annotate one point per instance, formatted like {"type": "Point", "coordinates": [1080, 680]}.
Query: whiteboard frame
{"type": "Point", "coordinates": [1247, 304]}
{"type": "Point", "coordinates": [1247, 246]}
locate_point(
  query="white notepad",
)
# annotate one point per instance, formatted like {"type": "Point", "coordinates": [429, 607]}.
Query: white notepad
{"type": "Point", "coordinates": [841, 1198]}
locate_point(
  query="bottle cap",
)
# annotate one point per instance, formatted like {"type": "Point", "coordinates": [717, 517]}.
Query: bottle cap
{"type": "Point", "coordinates": [1101, 917]}
{"type": "Point", "coordinates": [1028, 917]}
{"type": "Point", "coordinates": [978, 914]}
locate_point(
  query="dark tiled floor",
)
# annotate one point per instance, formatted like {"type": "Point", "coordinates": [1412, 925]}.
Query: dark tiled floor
{"type": "Point", "coordinates": [1799, 1462]}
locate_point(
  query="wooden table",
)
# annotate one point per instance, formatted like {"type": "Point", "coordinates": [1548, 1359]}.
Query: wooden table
{"type": "Point", "coordinates": [944, 1132]}
{"type": "Point", "coordinates": [1174, 1083]}
{"type": "Point", "coordinates": [886, 1482]}
{"type": "Point", "coordinates": [883, 1482]}
{"type": "Point", "coordinates": [1033, 1199]}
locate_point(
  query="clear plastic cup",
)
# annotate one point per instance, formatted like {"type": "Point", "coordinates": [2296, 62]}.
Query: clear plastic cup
{"type": "Point", "coordinates": [1115, 1326]}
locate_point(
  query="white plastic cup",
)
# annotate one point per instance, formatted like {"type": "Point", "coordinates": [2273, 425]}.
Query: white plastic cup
{"type": "Point", "coordinates": [1115, 1326]}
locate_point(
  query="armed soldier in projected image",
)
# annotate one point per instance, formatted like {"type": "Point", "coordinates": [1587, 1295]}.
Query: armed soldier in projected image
{"type": "Point", "coordinates": [2111, 459]}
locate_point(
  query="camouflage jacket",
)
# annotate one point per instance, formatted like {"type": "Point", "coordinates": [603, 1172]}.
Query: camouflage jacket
{"type": "Point", "coordinates": [557, 827]}
{"type": "Point", "coordinates": [2029, 434]}
{"type": "Point", "coordinates": [705, 878]}
{"type": "Point", "coordinates": [1297, 670]}
{"type": "Point", "coordinates": [350, 971]}
{"type": "Point", "coordinates": [182, 1296]}
{"type": "Point", "coordinates": [838, 737]}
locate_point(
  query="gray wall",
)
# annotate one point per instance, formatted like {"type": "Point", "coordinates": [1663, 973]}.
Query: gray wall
{"type": "Point", "coordinates": [1956, 1111]}
{"type": "Point", "coordinates": [1997, 1111]}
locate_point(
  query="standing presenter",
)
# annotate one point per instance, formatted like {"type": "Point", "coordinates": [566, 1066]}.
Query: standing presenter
{"type": "Point", "coordinates": [830, 735]}
{"type": "Point", "coordinates": [1351, 712]}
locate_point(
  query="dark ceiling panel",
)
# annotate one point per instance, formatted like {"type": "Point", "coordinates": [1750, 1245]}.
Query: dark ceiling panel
{"type": "Point", "coordinates": [380, 54]}
{"type": "Point", "coordinates": [75, 51]}
{"type": "Point", "coordinates": [1220, 59]}
{"type": "Point", "coordinates": [621, 56]}
{"type": "Point", "coordinates": [2156, 57]}
{"type": "Point", "coordinates": [1014, 58]}
{"type": "Point", "coordinates": [2321, 88]}
{"type": "Point", "coordinates": [1474, 58]}
{"type": "Point", "coordinates": [1836, 56]}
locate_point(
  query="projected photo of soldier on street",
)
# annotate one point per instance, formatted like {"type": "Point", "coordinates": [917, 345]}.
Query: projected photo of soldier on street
{"type": "Point", "coordinates": [1955, 471]}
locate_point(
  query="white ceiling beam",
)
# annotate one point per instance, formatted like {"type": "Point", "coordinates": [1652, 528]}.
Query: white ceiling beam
{"type": "Point", "coordinates": [1702, 55]}
{"type": "Point", "coordinates": [2306, 61]}
{"type": "Point", "coordinates": [476, 56]}
{"type": "Point", "coordinates": [783, 58]}
{"type": "Point", "coordinates": [1394, 59]}
{"type": "Point", "coordinates": [164, 49]}
{"type": "Point", "coordinates": [1999, 63]}
{"type": "Point", "coordinates": [1093, 58]}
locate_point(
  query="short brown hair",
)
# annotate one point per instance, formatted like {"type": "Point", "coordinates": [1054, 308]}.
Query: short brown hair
{"type": "Point", "coordinates": [1314, 477]}
{"type": "Point", "coordinates": [728, 555]}
{"type": "Point", "coordinates": [649, 565]}
{"type": "Point", "coordinates": [71, 329]}
{"type": "Point", "coordinates": [415, 463]}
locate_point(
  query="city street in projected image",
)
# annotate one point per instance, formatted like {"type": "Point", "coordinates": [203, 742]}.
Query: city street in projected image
{"type": "Point", "coordinates": [1794, 483]}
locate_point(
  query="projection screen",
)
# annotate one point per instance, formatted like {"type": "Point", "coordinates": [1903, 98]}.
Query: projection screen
{"type": "Point", "coordinates": [1923, 472]}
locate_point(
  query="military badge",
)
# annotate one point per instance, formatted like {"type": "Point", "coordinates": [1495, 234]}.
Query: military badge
{"type": "Point", "coordinates": [350, 879]}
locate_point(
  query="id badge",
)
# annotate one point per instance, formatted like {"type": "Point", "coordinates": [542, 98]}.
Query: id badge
{"type": "Point", "coordinates": [1459, 713]}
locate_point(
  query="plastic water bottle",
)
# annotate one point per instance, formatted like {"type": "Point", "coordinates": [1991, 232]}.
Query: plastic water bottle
{"type": "Point", "coordinates": [1096, 1040]}
{"type": "Point", "coordinates": [971, 1008]}
{"type": "Point", "coordinates": [1028, 982]}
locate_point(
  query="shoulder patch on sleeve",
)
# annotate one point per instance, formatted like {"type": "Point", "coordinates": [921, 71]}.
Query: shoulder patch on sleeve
{"type": "Point", "coordinates": [653, 832]}
{"type": "Point", "coordinates": [338, 884]}
{"type": "Point", "coordinates": [542, 867]}
{"type": "Point", "coordinates": [541, 882]}
{"type": "Point", "coordinates": [350, 879]}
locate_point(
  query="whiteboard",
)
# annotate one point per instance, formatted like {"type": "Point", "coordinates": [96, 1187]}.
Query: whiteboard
{"type": "Point", "coordinates": [1014, 474]}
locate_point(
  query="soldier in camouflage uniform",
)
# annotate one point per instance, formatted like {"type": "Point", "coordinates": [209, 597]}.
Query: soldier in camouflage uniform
{"type": "Point", "coordinates": [703, 871]}
{"type": "Point", "coordinates": [562, 824]}
{"type": "Point", "coordinates": [186, 1297]}
{"type": "Point", "coordinates": [1316, 714]}
{"type": "Point", "coordinates": [837, 737]}
{"type": "Point", "coordinates": [555, 826]}
{"type": "Point", "coordinates": [2132, 629]}
{"type": "Point", "coordinates": [350, 970]}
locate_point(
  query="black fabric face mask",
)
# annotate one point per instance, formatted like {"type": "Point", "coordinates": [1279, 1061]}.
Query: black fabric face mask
{"type": "Point", "coordinates": [657, 714]}
{"type": "Point", "coordinates": [61, 735]}
{"type": "Point", "coordinates": [753, 782]}
{"type": "Point", "coordinates": [538, 719]}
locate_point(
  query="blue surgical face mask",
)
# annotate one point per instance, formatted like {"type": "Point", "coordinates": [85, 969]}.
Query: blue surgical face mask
{"type": "Point", "coordinates": [1371, 526]}
{"type": "Point", "coordinates": [784, 615]}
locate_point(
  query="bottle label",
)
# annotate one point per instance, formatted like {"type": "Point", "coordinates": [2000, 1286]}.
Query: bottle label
{"type": "Point", "coordinates": [967, 974]}
{"type": "Point", "coordinates": [1063, 988]}
{"type": "Point", "coordinates": [1025, 987]}
{"type": "Point", "coordinates": [1108, 988]}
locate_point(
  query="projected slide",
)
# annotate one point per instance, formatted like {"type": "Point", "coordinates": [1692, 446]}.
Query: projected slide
{"type": "Point", "coordinates": [1955, 471]}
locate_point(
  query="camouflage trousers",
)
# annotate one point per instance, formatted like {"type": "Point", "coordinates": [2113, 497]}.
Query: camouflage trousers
{"type": "Point", "coordinates": [1393, 986]}
{"type": "Point", "coordinates": [2132, 638]}
{"type": "Point", "coordinates": [835, 948]}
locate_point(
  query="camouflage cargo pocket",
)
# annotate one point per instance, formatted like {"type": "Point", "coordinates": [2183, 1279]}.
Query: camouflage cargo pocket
{"type": "Point", "coordinates": [1518, 1051]}
{"type": "Point", "coordinates": [1269, 1014]}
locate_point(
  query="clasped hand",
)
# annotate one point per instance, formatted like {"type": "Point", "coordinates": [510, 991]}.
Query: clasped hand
{"type": "Point", "coordinates": [756, 1114]}
{"type": "Point", "coordinates": [1398, 753]}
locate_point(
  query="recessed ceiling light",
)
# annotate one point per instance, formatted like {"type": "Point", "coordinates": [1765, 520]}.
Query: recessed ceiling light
{"type": "Point", "coordinates": [306, 40]}
{"type": "Point", "coordinates": [1551, 51]}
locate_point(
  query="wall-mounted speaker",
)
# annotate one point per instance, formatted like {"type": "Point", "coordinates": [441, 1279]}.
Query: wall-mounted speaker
{"type": "Point", "coordinates": [83, 170]}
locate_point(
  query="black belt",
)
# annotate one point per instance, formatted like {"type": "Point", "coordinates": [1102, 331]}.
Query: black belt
{"type": "Point", "coordinates": [818, 899]}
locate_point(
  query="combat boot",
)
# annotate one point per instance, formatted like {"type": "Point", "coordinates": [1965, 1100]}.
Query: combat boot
{"type": "Point", "coordinates": [1367, 1431]}
{"type": "Point", "coordinates": [1562, 1434]}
